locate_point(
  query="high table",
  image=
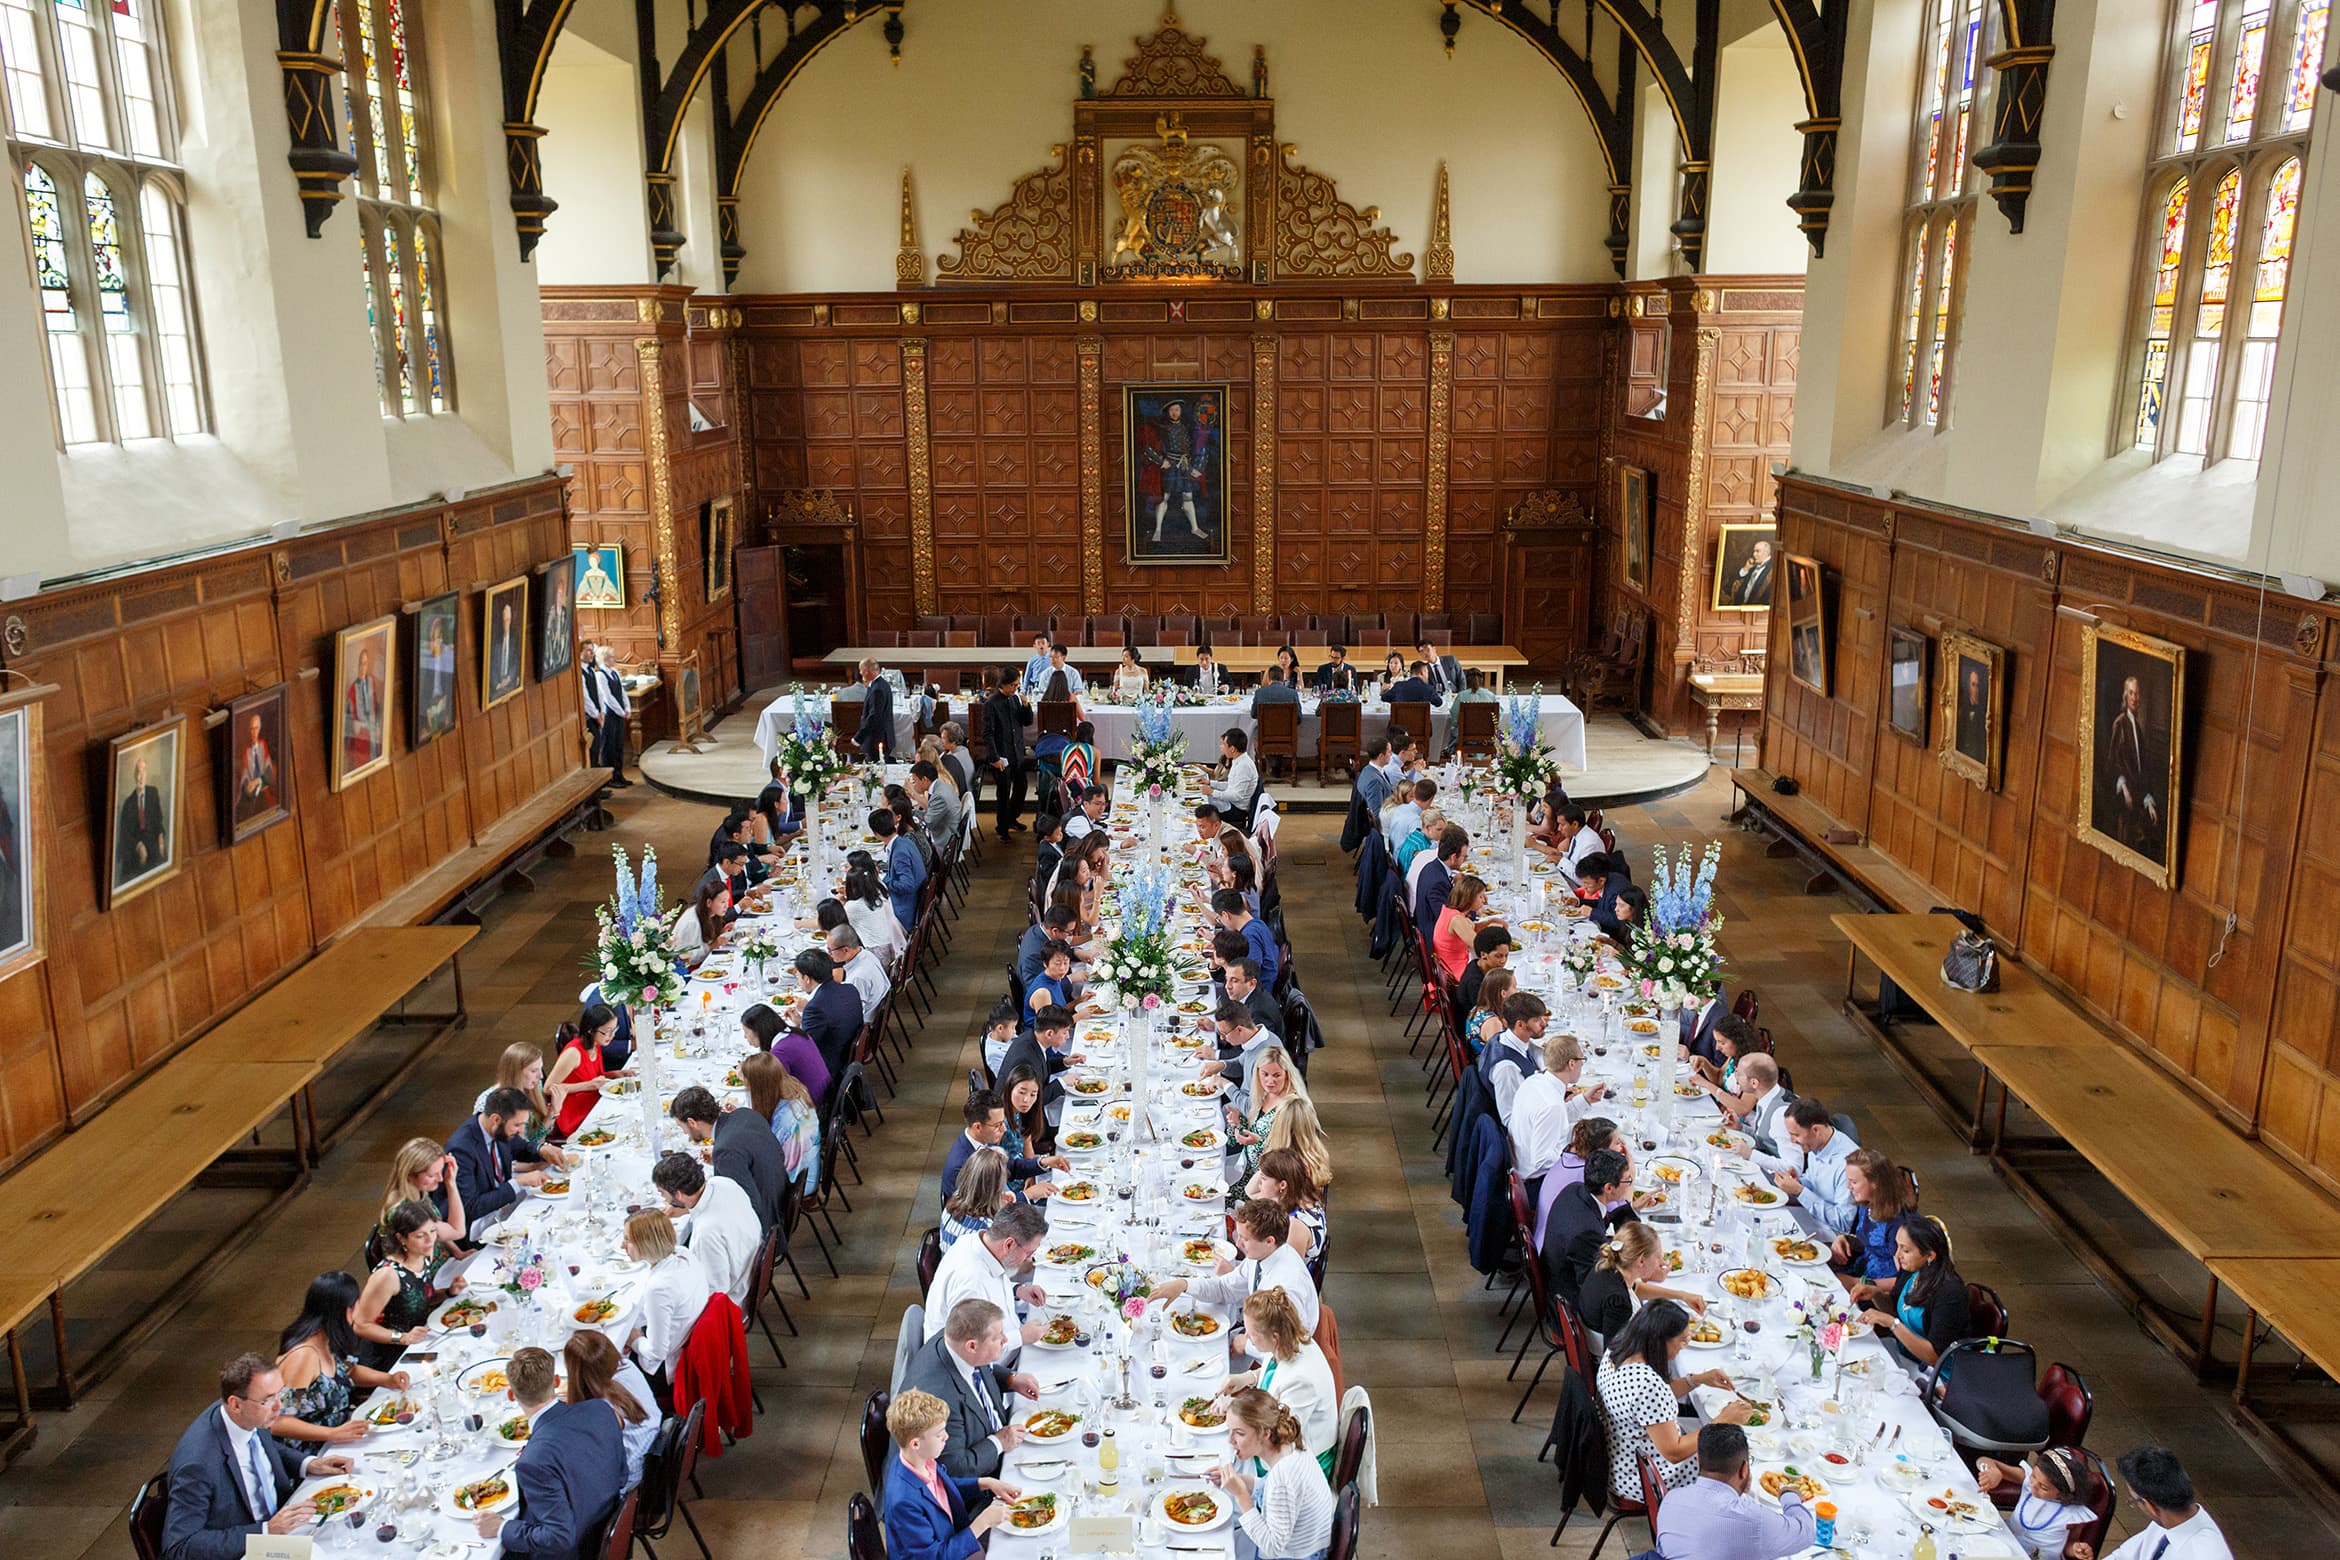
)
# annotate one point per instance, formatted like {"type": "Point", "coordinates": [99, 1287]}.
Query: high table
{"type": "Point", "coordinates": [1558, 719]}
{"type": "Point", "coordinates": [1252, 660]}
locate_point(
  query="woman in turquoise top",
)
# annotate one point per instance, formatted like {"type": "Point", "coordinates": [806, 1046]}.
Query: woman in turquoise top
{"type": "Point", "coordinates": [1883, 1199]}
{"type": "Point", "coordinates": [1927, 1296]}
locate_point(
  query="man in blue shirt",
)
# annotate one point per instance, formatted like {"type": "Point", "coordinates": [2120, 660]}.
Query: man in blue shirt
{"type": "Point", "coordinates": [1235, 916]}
{"type": "Point", "coordinates": [1819, 1184]}
{"type": "Point", "coordinates": [905, 869]}
{"type": "Point", "coordinates": [1406, 816]}
{"type": "Point", "coordinates": [1716, 1518]}
{"type": "Point", "coordinates": [1036, 669]}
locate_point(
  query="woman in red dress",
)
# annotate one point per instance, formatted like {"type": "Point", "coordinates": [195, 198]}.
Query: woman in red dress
{"type": "Point", "coordinates": [577, 1071]}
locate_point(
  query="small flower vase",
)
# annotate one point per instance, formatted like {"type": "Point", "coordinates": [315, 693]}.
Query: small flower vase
{"type": "Point", "coordinates": [1818, 1355]}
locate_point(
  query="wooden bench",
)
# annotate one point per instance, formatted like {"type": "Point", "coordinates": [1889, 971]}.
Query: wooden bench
{"type": "Point", "coordinates": [201, 1111]}
{"type": "Point", "coordinates": [1799, 826]}
{"type": "Point", "coordinates": [2221, 1197]}
{"type": "Point", "coordinates": [21, 1294]}
{"type": "Point", "coordinates": [499, 859]}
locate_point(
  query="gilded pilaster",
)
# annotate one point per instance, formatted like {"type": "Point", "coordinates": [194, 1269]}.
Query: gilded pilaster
{"type": "Point", "coordinates": [1092, 416]}
{"type": "Point", "coordinates": [670, 592]}
{"type": "Point", "coordinates": [1263, 472]}
{"type": "Point", "coordinates": [1434, 497]}
{"type": "Point", "coordinates": [1693, 570]}
{"type": "Point", "coordinates": [923, 597]}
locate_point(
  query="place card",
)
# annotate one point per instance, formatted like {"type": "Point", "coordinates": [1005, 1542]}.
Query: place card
{"type": "Point", "coordinates": [278, 1546]}
{"type": "Point", "coordinates": [1102, 1536]}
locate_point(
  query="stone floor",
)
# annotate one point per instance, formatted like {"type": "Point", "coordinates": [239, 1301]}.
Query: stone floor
{"type": "Point", "coordinates": [1457, 1478]}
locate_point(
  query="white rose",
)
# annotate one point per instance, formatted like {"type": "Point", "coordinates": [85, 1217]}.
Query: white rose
{"type": "Point", "coordinates": [1129, 1004]}
{"type": "Point", "coordinates": [1665, 966]}
{"type": "Point", "coordinates": [609, 971]}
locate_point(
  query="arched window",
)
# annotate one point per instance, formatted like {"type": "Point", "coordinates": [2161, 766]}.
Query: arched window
{"type": "Point", "coordinates": [89, 125]}
{"type": "Point", "coordinates": [1940, 210]}
{"type": "Point", "coordinates": [2238, 101]}
{"type": "Point", "coordinates": [398, 226]}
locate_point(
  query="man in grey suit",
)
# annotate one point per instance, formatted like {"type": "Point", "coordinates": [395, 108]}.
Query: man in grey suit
{"type": "Point", "coordinates": [231, 1480]}
{"type": "Point", "coordinates": [1274, 691]}
{"type": "Point", "coordinates": [1446, 673]}
{"type": "Point", "coordinates": [939, 806]}
{"type": "Point", "coordinates": [961, 1366]}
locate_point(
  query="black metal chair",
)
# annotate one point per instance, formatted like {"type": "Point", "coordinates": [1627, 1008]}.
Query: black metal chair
{"type": "Point", "coordinates": [864, 1539]}
{"type": "Point", "coordinates": [150, 1508]}
{"type": "Point", "coordinates": [760, 1288]}
{"type": "Point", "coordinates": [876, 1443]}
{"type": "Point", "coordinates": [673, 1458]}
{"type": "Point", "coordinates": [615, 1538]}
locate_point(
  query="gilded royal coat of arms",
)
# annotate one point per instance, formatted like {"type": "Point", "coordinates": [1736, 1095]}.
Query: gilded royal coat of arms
{"type": "Point", "coordinates": [1178, 206]}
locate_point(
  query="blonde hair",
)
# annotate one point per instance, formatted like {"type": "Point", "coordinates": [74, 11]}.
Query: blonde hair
{"type": "Point", "coordinates": [981, 1190]}
{"type": "Point", "coordinates": [1634, 1242]}
{"type": "Point", "coordinates": [1264, 1414]}
{"type": "Point", "coordinates": [1297, 1129]}
{"type": "Point", "coordinates": [513, 1066]}
{"type": "Point", "coordinates": [1561, 1051]}
{"type": "Point", "coordinates": [651, 1234]}
{"type": "Point", "coordinates": [1270, 1318]}
{"type": "Point", "coordinates": [1295, 1086]}
{"type": "Point", "coordinates": [414, 1156]}
{"type": "Point", "coordinates": [912, 1414]}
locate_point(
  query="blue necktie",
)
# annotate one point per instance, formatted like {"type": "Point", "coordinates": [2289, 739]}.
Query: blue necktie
{"type": "Point", "coordinates": [263, 1482]}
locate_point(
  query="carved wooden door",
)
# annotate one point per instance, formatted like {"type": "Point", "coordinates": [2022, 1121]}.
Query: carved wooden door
{"type": "Point", "coordinates": [757, 586]}
{"type": "Point", "coordinates": [1547, 594]}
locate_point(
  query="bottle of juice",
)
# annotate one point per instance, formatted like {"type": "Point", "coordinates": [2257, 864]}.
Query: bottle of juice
{"type": "Point", "coordinates": [1924, 1549]}
{"type": "Point", "coordinates": [1109, 1452]}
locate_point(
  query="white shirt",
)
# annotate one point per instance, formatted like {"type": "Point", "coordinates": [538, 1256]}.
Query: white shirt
{"type": "Point", "coordinates": [725, 1237]}
{"type": "Point", "coordinates": [880, 932]}
{"type": "Point", "coordinates": [240, 1448]}
{"type": "Point", "coordinates": [1076, 825]}
{"type": "Point", "coordinates": [971, 1375]}
{"type": "Point", "coordinates": [1572, 854]}
{"type": "Point", "coordinates": [867, 975]}
{"type": "Point", "coordinates": [1241, 787]}
{"type": "Point", "coordinates": [1292, 1508]}
{"type": "Point", "coordinates": [1507, 1082]}
{"type": "Point", "coordinates": [1764, 1122]}
{"type": "Point", "coordinates": [1282, 1268]}
{"type": "Point", "coordinates": [2196, 1538]}
{"type": "Point", "coordinates": [969, 1271]}
{"type": "Point", "coordinates": [1541, 1119]}
{"type": "Point", "coordinates": [1422, 860]}
{"type": "Point", "coordinates": [1400, 821]}
{"type": "Point", "coordinates": [686, 936]}
{"type": "Point", "coordinates": [677, 1292]}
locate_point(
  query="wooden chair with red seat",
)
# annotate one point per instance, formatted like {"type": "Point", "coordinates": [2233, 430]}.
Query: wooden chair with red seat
{"type": "Point", "coordinates": [1747, 1005]}
{"type": "Point", "coordinates": [877, 1445]}
{"type": "Point", "coordinates": [2102, 1496]}
{"type": "Point", "coordinates": [1278, 728]}
{"type": "Point", "coordinates": [864, 1539]}
{"type": "Point", "coordinates": [929, 1259]}
{"type": "Point", "coordinates": [1348, 1506]}
{"type": "Point", "coordinates": [150, 1508]}
{"type": "Point", "coordinates": [1554, 1319]}
{"type": "Point", "coordinates": [1474, 731]}
{"type": "Point", "coordinates": [760, 1287]}
{"type": "Point", "coordinates": [1349, 1458]}
{"type": "Point", "coordinates": [1413, 719]}
{"type": "Point", "coordinates": [1985, 1313]}
{"type": "Point", "coordinates": [2071, 1406]}
{"type": "Point", "coordinates": [616, 1539]}
{"type": "Point", "coordinates": [1340, 736]}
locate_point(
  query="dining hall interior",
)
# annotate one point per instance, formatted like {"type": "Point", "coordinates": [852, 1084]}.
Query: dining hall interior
{"type": "Point", "coordinates": [617, 616]}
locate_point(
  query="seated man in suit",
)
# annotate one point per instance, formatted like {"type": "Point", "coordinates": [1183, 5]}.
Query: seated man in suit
{"type": "Point", "coordinates": [1437, 880]}
{"type": "Point", "coordinates": [986, 1114]}
{"type": "Point", "coordinates": [875, 734]}
{"type": "Point", "coordinates": [571, 1473]}
{"type": "Point", "coordinates": [1413, 688]}
{"type": "Point", "coordinates": [1336, 675]}
{"type": "Point", "coordinates": [1042, 1048]}
{"type": "Point", "coordinates": [831, 1016]}
{"type": "Point", "coordinates": [1206, 676]}
{"type": "Point", "coordinates": [1582, 1218]}
{"type": "Point", "coordinates": [746, 1150]}
{"type": "Point", "coordinates": [904, 870]}
{"type": "Point", "coordinates": [962, 1368]}
{"type": "Point", "coordinates": [229, 1477]}
{"type": "Point", "coordinates": [1274, 691]}
{"type": "Point", "coordinates": [484, 1147]}
{"type": "Point", "coordinates": [1244, 987]}
{"type": "Point", "coordinates": [1442, 671]}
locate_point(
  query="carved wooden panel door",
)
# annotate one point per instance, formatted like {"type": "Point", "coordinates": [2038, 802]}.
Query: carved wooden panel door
{"type": "Point", "coordinates": [1547, 594]}
{"type": "Point", "coordinates": [757, 585]}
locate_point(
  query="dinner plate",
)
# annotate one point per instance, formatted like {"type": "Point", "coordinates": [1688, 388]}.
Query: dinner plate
{"type": "Point", "coordinates": [1692, 1340]}
{"type": "Point", "coordinates": [1042, 1341]}
{"type": "Point", "coordinates": [1074, 1256]}
{"type": "Point", "coordinates": [1203, 1090]}
{"type": "Point", "coordinates": [1202, 1192]}
{"type": "Point", "coordinates": [598, 1311]}
{"type": "Point", "coordinates": [1200, 1402]}
{"type": "Point", "coordinates": [1212, 1325]}
{"type": "Point", "coordinates": [1083, 1140]}
{"type": "Point", "coordinates": [513, 1430]}
{"type": "Point", "coordinates": [504, 1502]}
{"type": "Point", "coordinates": [1755, 1195]}
{"type": "Point", "coordinates": [1060, 1512]}
{"type": "Point", "coordinates": [1772, 1289]}
{"type": "Point", "coordinates": [1771, 1497]}
{"type": "Point", "coordinates": [554, 1187]}
{"type": "Point", "coordinates": [1939, 1504]}
{"type": "Point", "coordinates": [1780, 1243]}
{"type": "Point", "coordinates": [483, 1309]}
{"type": "Point", "coordinates": [339, 1497]}
{"type": "Point", "coordinates": [1899, 1473]}
{"type": "Point", "coordinates": [1673, 1169]}
{"type": "Point", "coordinates": [1202, 1140]}
{"type": "Point", "coordinates": [1223, 1508]}
{"type": "Point", "coordinates": [1220, 1251]}
{"type": "Point", "coordinates": [1038, 1439]}
{"type": "Point", "coordinates": [387, 1403]}
{"type": "Point", "coordinates": [488, 1378]}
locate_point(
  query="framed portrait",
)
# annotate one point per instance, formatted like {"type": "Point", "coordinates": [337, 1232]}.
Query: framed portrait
{"type": "Point", "coordinates": [503, 640]}
{"type": "Point", "coordinates": [555, 623]}
{"type": "Point", "coordinates": [364, 682]}
{"type": "Point", "coordinates": [1807, 619]}
{"type": "Point", "coordinates": [1635, 498]}
{"type": "Point", "coordinates": [1174, 467]}
{"type": "Point", "coordinates": [146, 770]}
{"type": "Point", "coordinates": [719, 528]}
{"type": "Point", "coordinates": [1906, 688]}
{"type": "Point", "coordinates": [256, 780]}
{"type": "Point", "coordinates": [600, 577]}
{"type": "Point", "coordinates": [689, 711]}
{"type": "Point", "coordinates": [2132, 720]}
{"type": "Point", "coordinates": [432, 671]}
{"type": "Point", "coordinates": [1973, 702]}
{"type": "Point", "coordinates": [24, 822]}
{"type": "Point", "coordinates": [1746, 557]}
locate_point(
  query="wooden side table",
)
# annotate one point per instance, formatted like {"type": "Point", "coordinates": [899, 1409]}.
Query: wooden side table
{"type": "Point", "coordinates": [1715, 692]}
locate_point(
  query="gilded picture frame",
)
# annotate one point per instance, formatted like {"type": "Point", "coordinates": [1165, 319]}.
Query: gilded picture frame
{"type": "Point", "coordinates": [431, 671]}
{"type": "Point", "coordinates": [1909, 692]}
{"type": "Point", "coordinates": [556, 618]}
{"type": "Point", "coordinates": [1746, 565]}
{"type": "Point", "coordinates": [1636, 499]}
{"type": "Point", "coordinates": [255, 770]}
{"type": "Point", "coordinates": [24, 836]}
{"type": "Point", "coordinates": [1971, 708]}
{"type": "Point", "coordinates": [1175, 500]}
{"type": "Point", "coordinates": [1807, 623]}
{"type": "Point", "coordinates": [600, 582]}
{"type": "Point", "coordinates": [365, 690]}
{"type": "Point", "coordinates": [146, 786]}
{"type": "Point", "coordinates": [2132, 748]}
{"type": "Point", "coordinates": [690, 710]}
{"type": "Point", "coordinates": [503, 642]}
{"type": "Point", "coordinates": [719, 543]}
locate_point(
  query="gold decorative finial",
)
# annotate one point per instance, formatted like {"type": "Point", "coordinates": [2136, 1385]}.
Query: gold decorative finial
{"type": "Point", "coordinates": [909, 261]}
{"type": "Point", "coordinates": [1438, 255]}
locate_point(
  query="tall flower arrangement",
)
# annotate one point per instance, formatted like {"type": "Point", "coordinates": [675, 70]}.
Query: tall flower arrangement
{"type": "Point", "coordinates": [1159, 749]}
{"type": "Point", "coordinates": [807, 761]}
{"type": "Point", "coordinates": [1675, 953]}
{"type": "Point", "coordinates": [1141, 963]}
{"type": "Point", "coordinates": [633, 954]}
{"type": "Point", "coordinates": [1526, 767]}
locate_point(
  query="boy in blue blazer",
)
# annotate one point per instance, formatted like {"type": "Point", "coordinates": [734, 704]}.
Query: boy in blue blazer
{"type": "Point", "coordinates": [925, 1509]}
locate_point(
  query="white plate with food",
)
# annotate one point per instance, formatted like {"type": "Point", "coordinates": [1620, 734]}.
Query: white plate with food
{"type": "Point", "coordinates": [1707, 1334]}
{"type": "Point", "coordinates": [1071, 1255]}
{"type": "Point", "coordinates": [488, 1378]}
{"type": "Point", "coordinates": [1045, 1426]}
{"type": "Point", "coordinates": [1899, 1473]}
{"type": "Point", "coordinates": [493, 1492]}
{"type": "Point", "coordinates": [1082, 1140]}
{"type": "Point", "coordinates": [1203, 1416]}
{"type": "Point", "coordinates": [1673, 1169]}
{"type": "Point", "coordinates": [1203, 1089]}
{"type": "Point", "coordinates": [1192, 1326]}
{"type": "Point", "coordinates": [513, 1430]}
{"type": "Point", "coordinates": [382, 1415]}
{"type": "Point", "coordinates": [1772, 1481]}
{"type": "Point", "coordinates": [1749, 1284]}
{"type": "Point", "coordinates": [1202, 1192]}
{"type": "Point", "coordinates": [1060, 1332]}
{"type": "Point", "coordinates": [1756, 1195]}
{"type": "Point", "coordinates": [1202, 1140]}
{"type": "Point", "coordinates": [1971, 1512]}
{"type": "Point", "coordinates": [1194, 1508]}
{"type": "Point", "coordinates": [1036, 1515]}
{"type": "Point", "coordinates": [1796, 1251]}
{"type": "Point", "coordinates": [1205, 1253]}
{"type": "Point", "coordinates": [598, 1311]}
{"type": "Point", "coordinates": [335, 1499]}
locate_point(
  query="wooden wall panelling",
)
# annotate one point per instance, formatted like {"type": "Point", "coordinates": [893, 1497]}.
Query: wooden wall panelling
{"type": "Point", "coordinates": [2299, 1104]}
{"type": "Point", "coordinates": [594, 376]}
{"type": "Point", "coordinates": [1352, 448]}
{"type": "Point", "coordinates": [524, 744]}
{"type": "Point", "coordinates": [1003, 419]}
{"type": "Point", "coordinates": [1829, 744]}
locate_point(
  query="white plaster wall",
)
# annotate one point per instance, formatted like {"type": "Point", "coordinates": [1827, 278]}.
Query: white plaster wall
{"type": "Point", "coordinates": [591, 109]}
{"type": "Point", "coordinates": [1657, 187]}
{"type": "Point", "coordinates": [1363, 89]}
{"type": "Point", "coordinates": [699, 263]}
{"type": "Point", "coordinates": [1749, 229]}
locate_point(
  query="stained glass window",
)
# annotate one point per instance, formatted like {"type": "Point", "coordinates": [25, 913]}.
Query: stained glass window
{"type": "Point", "coordinates": [2163, 317]}
{"type": "Point", "coordinates": [383, 106]}
{"type": "Point", "coordinates": [427, 317]}
{"type": "Point", "coordinates": [2194, 85]}
{"type": "Point", "coordinates": [2307, 58]}
{"type": "Point", "coordinates": [399, 369]}
{"type": "Point", "coordinates": [88, 120]}
{"type": "Point", "coordinates": [2250, 54]}
{"type": "Point", "coordinates": [2193, 429]}
{"type": "Point", "coordinates": [1942, 186]}
{"type": "Point", "coordinates": [2255, 377]}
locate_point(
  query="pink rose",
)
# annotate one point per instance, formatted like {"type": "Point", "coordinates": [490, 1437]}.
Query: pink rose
{"type": "Point", "coordinates": [1134, 1307]}
{"type": "Point", "coordinates": [1152, 1002]}
{"type": "Point", "coordinates": [1832, 1337]}
{"type": "Point", "coordinates": [531, 1278]}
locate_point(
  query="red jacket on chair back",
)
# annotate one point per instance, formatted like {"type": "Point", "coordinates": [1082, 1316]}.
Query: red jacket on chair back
{"type": "Point", "coordinates": [713, 1366]}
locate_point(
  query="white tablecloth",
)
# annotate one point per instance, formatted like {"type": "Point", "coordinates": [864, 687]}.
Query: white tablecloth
{"type": "Point", "coordinates": [1558, 719]}
{"type": "Point", "coordinates": [779, 718]}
